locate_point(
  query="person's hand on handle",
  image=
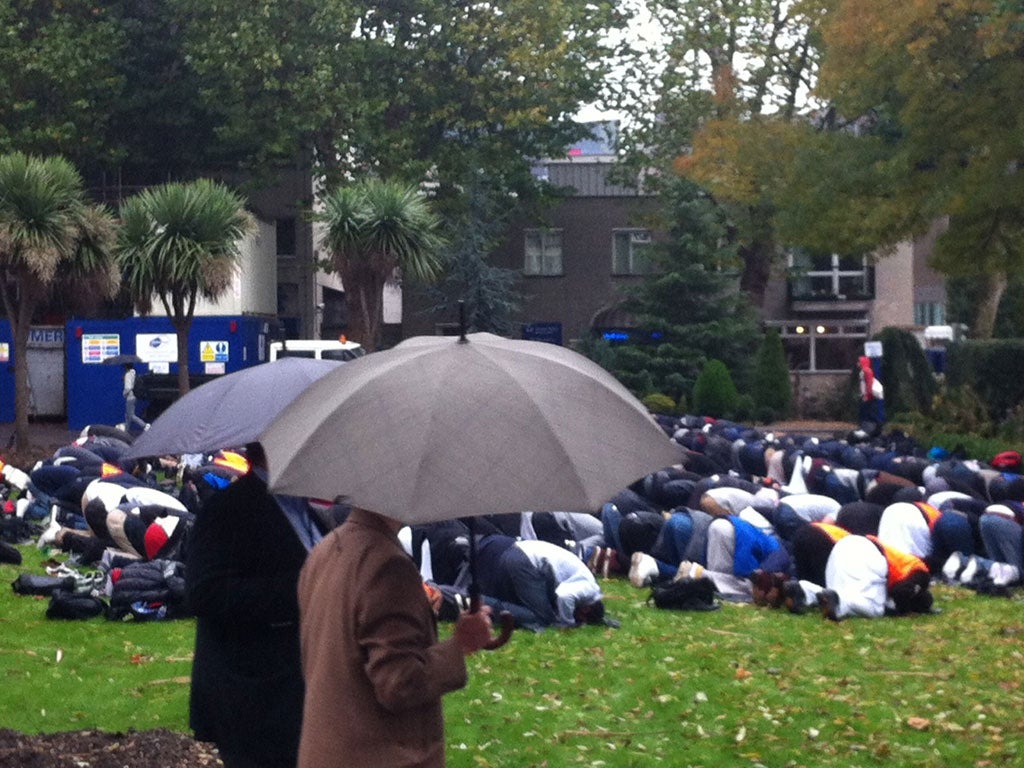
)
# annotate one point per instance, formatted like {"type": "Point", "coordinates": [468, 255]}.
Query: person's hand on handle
{"type": "Point", "coordinates": [473, 630]}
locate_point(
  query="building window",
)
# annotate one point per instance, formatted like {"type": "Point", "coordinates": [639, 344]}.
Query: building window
{"type": "Point", "coordinates": [929, 313]}
{"type": "Point", "coordinates": [822, 345]}
{"type": "Point", "coordinates": [816, 277]}
{"type": "Point", "coordinates": [286, 236]}
{"type": "Point", "coordinates": [543, 248]}
{"type": "Point", "coordinates": [631, 252]}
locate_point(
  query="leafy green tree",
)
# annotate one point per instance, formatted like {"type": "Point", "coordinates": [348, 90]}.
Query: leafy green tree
{"type": "Point", "coordinates": [177, 242]}
{"type": "Point", "coordinates": [49, 236]}
{"type": "Point", "coordinates": [933, 89]}
{"type": "Point", "coordinates": [375, 227]}
{"type": "Point", "coordinates": [964, 294]}
{"type": "Point", "coordinates": [724, 71]}
{"type": "Point", "coordinates": [690, 309]}
{"type": "Point", "coordinates": [475, 225]}
{"type": "Point", "coordinates": [59, 77]}
{"type": "Point", "coordinates": [404, 90]}
{"type": "Point", "coordinates": [161, 127]}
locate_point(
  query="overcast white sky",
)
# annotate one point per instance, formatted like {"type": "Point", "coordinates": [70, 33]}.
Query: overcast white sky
{"type": "Point", "coordinates": [642, 31]}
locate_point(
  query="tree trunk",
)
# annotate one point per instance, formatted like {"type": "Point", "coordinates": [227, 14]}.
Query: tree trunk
{"type": "Point", "coordinates": [985, 315]}
{"type": "Point", "coordinates": [20, 327]}
{"type": "Point", "coordinates": [182, 328]}
{"type": "Point", "coordinates": [364, 297]}
{"type": "Point", "coordinates": [355, 329]}
{"type": "Point", "coordinates": [757, 269]}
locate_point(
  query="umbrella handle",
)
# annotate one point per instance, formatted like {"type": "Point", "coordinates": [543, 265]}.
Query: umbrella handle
{"type": "Point", "coordinates": [508, 624]}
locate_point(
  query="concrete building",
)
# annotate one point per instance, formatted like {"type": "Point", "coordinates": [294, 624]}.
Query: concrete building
{"type": "Point", "coordinates": [576, 262]}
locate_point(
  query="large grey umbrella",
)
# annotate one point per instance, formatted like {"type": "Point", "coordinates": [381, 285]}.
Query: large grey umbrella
{"type": "Point", "coordinates": [441, 427]}
{"type": "Point", "coordinates": [231, 410]}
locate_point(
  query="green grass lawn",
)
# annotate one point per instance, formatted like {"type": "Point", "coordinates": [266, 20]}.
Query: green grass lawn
{"type": "Point", "coordinates": [742, 686]}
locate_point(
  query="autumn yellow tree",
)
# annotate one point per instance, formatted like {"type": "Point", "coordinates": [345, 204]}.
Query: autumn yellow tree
{"type": "Point", "coordinates": [941, 83]}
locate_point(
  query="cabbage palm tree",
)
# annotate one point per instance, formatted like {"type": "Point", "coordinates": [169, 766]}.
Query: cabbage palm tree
{"type": "Point", "coordinates": [373, 228]}
{"type": "Point", "coordinates": [177, 242]}
{"type": "Point", "coordinates": [49, 235]}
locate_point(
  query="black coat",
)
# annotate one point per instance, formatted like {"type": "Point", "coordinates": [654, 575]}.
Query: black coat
{"type": "Point", "coordinates": [242, 575]}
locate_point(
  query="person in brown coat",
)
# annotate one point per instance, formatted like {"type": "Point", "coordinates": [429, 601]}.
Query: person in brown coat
{"type": "Point", "coordinates": [374, 669]}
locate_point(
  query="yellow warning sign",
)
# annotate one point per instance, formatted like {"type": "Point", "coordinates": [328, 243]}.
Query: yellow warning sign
{"type": "Point", "coordinates": [213, 351]}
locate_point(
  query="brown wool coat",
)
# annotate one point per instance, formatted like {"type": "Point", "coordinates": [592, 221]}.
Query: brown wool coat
{"type": "Point", "coordinates": [375, 672]}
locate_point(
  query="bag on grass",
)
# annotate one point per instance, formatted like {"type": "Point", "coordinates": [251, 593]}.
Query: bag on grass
{"type": "Point", "coordinates": [68, 604]}
{"type": "Point", "coordinates": [37, 584]}
{"type": "Point", "coordinates": [685, 595]}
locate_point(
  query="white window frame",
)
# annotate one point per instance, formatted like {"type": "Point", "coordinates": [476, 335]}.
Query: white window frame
{"type": "Point", "coordinates": [817, 331]}
{"type": "Point", "coordinates": [638, 260]}
{"type": "Point", "coordinates": [834, 274]}
{"type": "Point", "coordinates": [544, 258]}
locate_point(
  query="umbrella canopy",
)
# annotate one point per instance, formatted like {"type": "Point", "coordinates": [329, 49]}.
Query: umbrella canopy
{"type": "Point", "coordinates": [122, 360]}
{"type": "Point", "coordinates": [231, 410]}
{"type": "Point", "coordinates": [442, 427]}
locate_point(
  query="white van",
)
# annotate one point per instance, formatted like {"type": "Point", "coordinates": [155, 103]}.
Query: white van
{"type": "Point", "coordinates": [319, 349]}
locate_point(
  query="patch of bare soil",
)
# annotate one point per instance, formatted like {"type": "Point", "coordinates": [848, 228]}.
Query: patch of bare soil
{"type": "Point", "coordinates": [158, 748]}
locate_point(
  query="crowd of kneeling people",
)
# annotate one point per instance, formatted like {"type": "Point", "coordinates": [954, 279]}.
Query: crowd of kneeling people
{"type": "Point", "coordinates": [848, 526]}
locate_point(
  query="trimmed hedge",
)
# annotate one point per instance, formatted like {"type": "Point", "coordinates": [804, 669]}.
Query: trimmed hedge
{"type": "Point", "coordinates": [992, 368]}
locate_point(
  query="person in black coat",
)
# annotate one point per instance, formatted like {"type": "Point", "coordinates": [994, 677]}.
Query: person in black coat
{"type": "Point", "coordinates": [242, 578]}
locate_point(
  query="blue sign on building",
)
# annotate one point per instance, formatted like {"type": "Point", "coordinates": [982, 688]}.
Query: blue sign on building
{"type": "Point", "coordinates": [549, 332]}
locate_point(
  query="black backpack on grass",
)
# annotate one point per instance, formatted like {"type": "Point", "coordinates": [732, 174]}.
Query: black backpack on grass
{"type": "Point", "coordinates": [68, 604]}
{"type": "Point", "coordinates": [37, 584]}
{"type": "Point", "coordinates": [685, 595]}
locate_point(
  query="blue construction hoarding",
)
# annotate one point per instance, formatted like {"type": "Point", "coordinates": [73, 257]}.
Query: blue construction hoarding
{"type": "Point", "coordinates": [217, 345]}
{"type": "Point", "coordinates": [6, 372]}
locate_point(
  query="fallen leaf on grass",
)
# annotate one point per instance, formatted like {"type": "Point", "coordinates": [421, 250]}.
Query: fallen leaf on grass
{"type": "Point", "coordinates": [743, 674]}
{"type": "Point", "coordinates": [919, 723]}
{"type": "Point", "coordinates": [180, 680]}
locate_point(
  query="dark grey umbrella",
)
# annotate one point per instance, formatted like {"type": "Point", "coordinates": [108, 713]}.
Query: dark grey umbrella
{"type": "Point", "coordinates": [231, 410]}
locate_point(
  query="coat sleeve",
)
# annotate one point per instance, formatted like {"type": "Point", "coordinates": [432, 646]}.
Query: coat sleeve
{"type": "Point", "coordinates": [404, 662]}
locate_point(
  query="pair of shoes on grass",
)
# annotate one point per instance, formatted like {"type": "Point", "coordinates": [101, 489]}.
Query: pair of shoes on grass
{"type": "Point", "coordinates": [795, 600]}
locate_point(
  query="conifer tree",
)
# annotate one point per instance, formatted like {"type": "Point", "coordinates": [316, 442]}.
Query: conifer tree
{"type": "Point", "coordinates": [690, 309]}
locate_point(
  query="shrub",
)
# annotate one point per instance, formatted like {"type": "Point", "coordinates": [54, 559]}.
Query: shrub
{"type": "Point", "coordinates": [682, 407]}
{"type": "Point", "coordinates": [744, 409]}
{"type": "Point", "coordinates": [961, 409]}
{"type": "Point", "coordinates": [714, 393]}
{"type": "Point", "coordinates": [993, 368]}
{"type": "Point", "coordinates": [907, 376]}
{"type": "Point", "coordinates": [659, 403]}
